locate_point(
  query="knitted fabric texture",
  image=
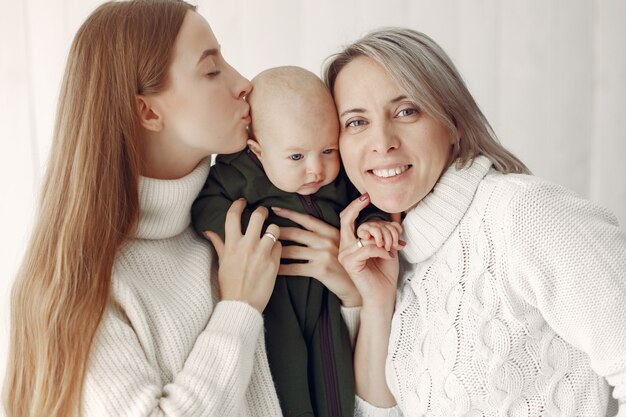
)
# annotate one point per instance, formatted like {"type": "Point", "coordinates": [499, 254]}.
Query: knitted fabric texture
{"type": "Point", "coordinates": [165, 346]}
{"type": "Point", "coordinates": [511, 302]}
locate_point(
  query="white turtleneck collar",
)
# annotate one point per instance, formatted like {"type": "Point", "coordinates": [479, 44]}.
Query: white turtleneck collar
{"type": "Point", "coordinates": [165, 205]}
{"type": "Point", "coordinates": [430, 223]}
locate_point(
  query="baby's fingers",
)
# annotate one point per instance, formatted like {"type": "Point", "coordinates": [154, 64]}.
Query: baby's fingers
{"type": "Point", "coordinates": [362, 233]}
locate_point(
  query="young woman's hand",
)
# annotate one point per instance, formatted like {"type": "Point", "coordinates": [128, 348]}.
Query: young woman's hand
{"type": "Point", "coordinates": [321, 242]}
{"type": "Point", "coordinates": [373, 269]}
{"type": "Point", "coordinates": [248, 263]}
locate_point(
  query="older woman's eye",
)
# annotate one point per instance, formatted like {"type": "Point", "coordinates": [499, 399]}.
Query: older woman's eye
{"type": "Point", "coordinates": [296, 156]}
{"type": "Point", "coordinates": [355, 123]}
{"type": "Point", "coordinates": [408, 112]}
{"type": "Point", "coordinates": [213, 73]}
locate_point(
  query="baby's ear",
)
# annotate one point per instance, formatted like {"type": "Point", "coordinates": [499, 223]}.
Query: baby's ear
{"type": "Point", "coordinates": [255, 148]}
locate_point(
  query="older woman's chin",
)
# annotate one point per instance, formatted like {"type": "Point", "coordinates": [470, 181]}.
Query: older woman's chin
{"type": "Point", "coordinates": [391, 204]}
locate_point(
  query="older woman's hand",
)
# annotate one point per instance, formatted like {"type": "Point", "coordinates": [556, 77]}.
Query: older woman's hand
{"type": "Point", "coordinates": [321, 242]}
{"type": "Point", "coordinates": [373, 269]}
{"type": "Point", "coordinates": [248, 263]}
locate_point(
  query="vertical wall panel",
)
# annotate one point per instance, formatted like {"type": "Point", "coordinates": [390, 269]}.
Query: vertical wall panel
{"type": "Point", "coordinates": [439, 20]}
{"type": "Point", "coordinates": [477, 57]}
{"type": "Point", "coordinates": [522, 67]}
{"type": "Point", "coordinates": [17, 164]}
{"type": "Point", "coordinates": [608, 172]}
{"type": "Point", "coordinates": [568, 95]}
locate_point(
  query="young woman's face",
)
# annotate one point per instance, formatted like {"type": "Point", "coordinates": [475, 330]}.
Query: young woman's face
{"type": "Point", "coordinates": [390, 148]}
{"type": "Point", "coordinates": [202, 105]}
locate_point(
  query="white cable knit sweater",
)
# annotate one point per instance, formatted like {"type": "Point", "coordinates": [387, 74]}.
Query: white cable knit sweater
{"type": "Point", "coordinates": [511, 302]}
{"type": "Point", "coordinates": [166, 346]}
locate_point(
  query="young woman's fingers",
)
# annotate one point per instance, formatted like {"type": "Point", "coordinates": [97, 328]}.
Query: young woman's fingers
{"type": "Point", "coordinates": [300, 253]}
{"type": "Point", "coordinates": [255, 225]}
{"type": "Point", "coordinates": [216, 241]}
{"type": "Point", "coordinates": [347, 218]}
{"type": "Point", "coordinates": [232, 227]}
{"type": "Point", "coordinates": [305, 220]}
{"type": "Point", "coordinates": [270, 237]}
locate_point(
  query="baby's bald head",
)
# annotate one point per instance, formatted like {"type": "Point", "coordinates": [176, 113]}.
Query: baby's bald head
{"type": "Point", "coordinates": [294, 130]}
{"type": "Point", "coordinates": [288, 92]}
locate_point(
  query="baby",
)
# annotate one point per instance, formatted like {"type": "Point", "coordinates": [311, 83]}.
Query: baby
{"type": "Point", "coordinates": [292, 161]}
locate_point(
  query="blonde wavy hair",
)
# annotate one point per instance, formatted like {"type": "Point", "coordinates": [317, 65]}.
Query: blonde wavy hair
{"type": "Point", "coordinates": [89, 203]}
{"type": "Point", "coordinates": [427, 75]}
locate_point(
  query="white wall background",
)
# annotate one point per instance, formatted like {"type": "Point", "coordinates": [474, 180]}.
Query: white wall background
{"type": "Point", "coordinates": [549, 74]}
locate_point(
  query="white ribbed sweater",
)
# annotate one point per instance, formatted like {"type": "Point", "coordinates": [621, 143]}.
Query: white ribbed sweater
{"type": "Point", "coordinates": [166, 346]}
{"type": "Point", "coordinates": [511, 302]}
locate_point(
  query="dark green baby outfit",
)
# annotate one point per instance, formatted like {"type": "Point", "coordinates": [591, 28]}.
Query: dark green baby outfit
{"type": "Point", "coordinates": [307, 341]}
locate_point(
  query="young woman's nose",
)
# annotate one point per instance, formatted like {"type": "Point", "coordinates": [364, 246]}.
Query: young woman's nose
{"type": "Point", "coordinates": [242, 86]}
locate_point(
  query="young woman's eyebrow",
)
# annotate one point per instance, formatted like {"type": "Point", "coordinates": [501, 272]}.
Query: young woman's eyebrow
{"type": "Point", "coordinates": [207, 53]}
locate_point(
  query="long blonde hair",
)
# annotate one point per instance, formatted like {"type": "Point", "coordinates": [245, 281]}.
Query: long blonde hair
{"type": "Point", "coordinates": [427, 75]}
{"type": "Point", "coordinates": [89, 203]}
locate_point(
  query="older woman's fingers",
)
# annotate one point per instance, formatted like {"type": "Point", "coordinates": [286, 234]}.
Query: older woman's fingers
{"type": "Point", "coordinates": [347, 218]}
{"type": "Point", "coordinates": [301, 253]}
{"type": "Point", "coordinates": [355, 260]}
{"type": "Point", "coordinates": [305, 220]}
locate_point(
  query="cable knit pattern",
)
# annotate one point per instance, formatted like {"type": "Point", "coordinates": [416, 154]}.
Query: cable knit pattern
{"type": "Point", "coordinates": [166, 346]}
{"type": "Point", "coordinates": [510, 302]}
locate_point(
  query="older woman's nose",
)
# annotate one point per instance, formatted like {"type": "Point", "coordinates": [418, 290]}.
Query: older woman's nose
{"type": "Point", "coordinates": [385, 138]}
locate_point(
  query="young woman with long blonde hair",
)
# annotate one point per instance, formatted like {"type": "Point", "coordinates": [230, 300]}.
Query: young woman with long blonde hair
{"type": "Point", "coordinates": [114, 312]}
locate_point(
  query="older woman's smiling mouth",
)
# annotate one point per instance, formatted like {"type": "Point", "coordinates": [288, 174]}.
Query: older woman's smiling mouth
{"type": "Point", "coordinates": [389, 172]}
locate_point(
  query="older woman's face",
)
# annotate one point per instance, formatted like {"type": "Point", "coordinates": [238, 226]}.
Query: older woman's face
{"type": "Point", "coordinates": [390, 148]}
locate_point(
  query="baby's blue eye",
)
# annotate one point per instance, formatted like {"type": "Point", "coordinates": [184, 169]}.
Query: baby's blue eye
{"type": "Point", "coordinates": [296, 157]}
{"type": "Point", "coordinates": [327, 151]}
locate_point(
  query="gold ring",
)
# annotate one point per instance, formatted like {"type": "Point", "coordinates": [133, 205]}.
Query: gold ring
{"type": "Point", "coordinates": [359, 244]}
{"type": "Point", "coordinates": [271, 236]}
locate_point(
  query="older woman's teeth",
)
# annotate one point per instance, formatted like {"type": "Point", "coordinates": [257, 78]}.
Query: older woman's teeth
{"type": "Point", "coordinates": [392, 172]}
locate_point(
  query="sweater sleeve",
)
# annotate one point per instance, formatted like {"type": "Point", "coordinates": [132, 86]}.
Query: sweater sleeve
{"type": "Point", "coordinates": [352, 318]}
{"type": "Point", "coordinates": [567, 257]}
{"type": "Point", "coordinates": [364, 409]}
{"type": "Point", "coordinates": [122, 380]}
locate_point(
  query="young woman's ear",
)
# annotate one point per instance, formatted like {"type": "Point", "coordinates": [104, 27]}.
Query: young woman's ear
{"type": "Point", "coordinates": [255, 148]}
{"type": "Point", "coordinates": [149, 117]}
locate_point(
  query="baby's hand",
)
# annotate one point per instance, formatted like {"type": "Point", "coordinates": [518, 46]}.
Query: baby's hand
{"type": "Point", "coordinates": [386, 234]}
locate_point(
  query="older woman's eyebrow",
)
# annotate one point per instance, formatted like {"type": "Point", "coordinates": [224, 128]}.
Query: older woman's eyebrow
{"type": "Point", "coordinates": [360, 110]}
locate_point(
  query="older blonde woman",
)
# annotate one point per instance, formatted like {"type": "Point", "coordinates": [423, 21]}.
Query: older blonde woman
{"type": "Point", "coordinates": [510, 300]}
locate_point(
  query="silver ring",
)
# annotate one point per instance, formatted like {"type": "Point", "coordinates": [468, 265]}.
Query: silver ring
{"type": "Point", "coordinates": [359, 243]}
{"type": "Point", "coordinates": [271, 236]}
